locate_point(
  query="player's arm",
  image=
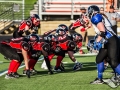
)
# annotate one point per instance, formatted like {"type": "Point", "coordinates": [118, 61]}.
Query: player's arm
{"type": "Point", "coordinates": [97, 20]}
{"type": "Point", "coordinates": [24, 53]}
{"type": "Point", "coordinates": [48, 32]}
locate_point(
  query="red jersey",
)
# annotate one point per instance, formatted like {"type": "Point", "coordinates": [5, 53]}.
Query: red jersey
{"type": "Point", "coordinates": [21, 29]}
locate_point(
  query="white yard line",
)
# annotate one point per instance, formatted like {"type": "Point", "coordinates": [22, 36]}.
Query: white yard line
{"type": "Point", "coordinates": [42, 58]}
{"type": "Point", "coordinates": [4, 72]}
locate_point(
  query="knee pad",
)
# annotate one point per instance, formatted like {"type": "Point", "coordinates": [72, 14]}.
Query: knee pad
{"type": "Point", "coordinates": [71, 45]}
{"type": "Point", "coordinates": [36, 54]}
{"type": "Point", "coordinates": [46, 47]}
{"type": "Point", "coordinates": [61, 53]}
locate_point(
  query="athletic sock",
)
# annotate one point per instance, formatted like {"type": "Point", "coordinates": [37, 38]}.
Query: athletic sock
{"type": "Point", "coordinates": [32, 63]}
{"type": "Point", "coordinates": [117, 69]}
{"type": "Point", "coordinates": [17, 66]}
{"type": "Point", "coordinates": [51, 56]}
{"type": "Point", "coordinates": [58, 62]}
{"type": "Point", "coordinates": [100, 68]}
{"type": "Point", "coordinates": [12, 66]}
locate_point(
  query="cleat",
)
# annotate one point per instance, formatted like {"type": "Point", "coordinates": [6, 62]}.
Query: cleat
{"type": "Point", "coordinates": [50, 72]}
{"type": "Point", "coordinates": [24, 72]}
{"type": "Point", "coordinates": [97, 81]}
{"type": "Point", "coordinates": [33, 72]}
{"type": "Point", "coordinates": [9, 76]}
{"type": "Point", "coordinates": [58, 69]}
{"type": "Point", "coordinates": [62, 66]}
{"type": "Point", "coordinates": [15, 74]}
{"type": "Point", "coordinates": [28, 73]}
{"type": "Point", "coordinates": [77, 66]}
{"type": "Point", "coordinates": [116, 79]}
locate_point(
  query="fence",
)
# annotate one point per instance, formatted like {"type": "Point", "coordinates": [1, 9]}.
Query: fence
{"type": "Point", "coordinates": [12, 11]}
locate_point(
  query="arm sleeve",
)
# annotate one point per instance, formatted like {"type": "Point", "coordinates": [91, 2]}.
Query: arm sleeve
{"type": "Point", "coordinates": [49, 32]}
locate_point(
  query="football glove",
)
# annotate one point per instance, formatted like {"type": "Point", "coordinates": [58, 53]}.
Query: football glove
{"type": "Point", "coordinates": [28, 73]}
{"type": "Point", "coordinates": [97, 45]}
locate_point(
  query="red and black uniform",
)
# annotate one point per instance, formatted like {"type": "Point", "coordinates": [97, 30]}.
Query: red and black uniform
{"type": "Point", "coordinates": [79, 22]}
{"type": "Point", "coordinates": [12, 50]}
{"type": "Point", "coordinates": [64, 45]}
{"type": "Point", "coordinates": [21, 29]}
{"type": "Point", "coordinates": [16, 45]}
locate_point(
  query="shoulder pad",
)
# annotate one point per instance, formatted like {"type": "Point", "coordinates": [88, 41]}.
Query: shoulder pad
{"type": "Point", "coordinates": [29, 23]}
{"type": "Point", "coordinates": [96, 19]}
{"type": "Point", "coordinates": [25, 46]}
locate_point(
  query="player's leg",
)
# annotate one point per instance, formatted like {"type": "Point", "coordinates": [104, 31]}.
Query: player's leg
{"type": "Point", "coordinates": [100, 66]}
{"type": "Point", "coordinates": [14, 57]}
{"type": "Point", "coordinates": [60, 56]}
{"type": "Point", "coordinates": [77, 65]}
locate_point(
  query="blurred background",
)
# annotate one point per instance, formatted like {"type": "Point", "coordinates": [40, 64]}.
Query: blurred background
{"type": "Point", "coordinates": [51, 12]}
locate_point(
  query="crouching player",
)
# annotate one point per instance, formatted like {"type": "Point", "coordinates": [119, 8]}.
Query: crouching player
{"type": "Point", "coordinates": [27, 26]}
{"type": "Point", "coordinates": [67, 45]}
{"type": "Point", "coordinates": [61, 46]}
{"type": "Point", "coordinates": [20, 48]}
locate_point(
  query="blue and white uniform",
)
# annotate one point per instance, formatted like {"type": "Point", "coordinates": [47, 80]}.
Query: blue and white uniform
{"type": "Point", "coordinates": [100, 18]}
{"type": "Point", "coordinates": [111, 50]}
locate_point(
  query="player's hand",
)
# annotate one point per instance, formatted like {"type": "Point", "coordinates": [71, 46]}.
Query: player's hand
{"type": "Point", "coordinates": [28, 73]}
{"type": "Point", "coordinates": [97, 45]}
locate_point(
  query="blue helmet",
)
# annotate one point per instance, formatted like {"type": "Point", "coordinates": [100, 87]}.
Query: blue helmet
{"type": "Point", "coordinates": [92, 10]}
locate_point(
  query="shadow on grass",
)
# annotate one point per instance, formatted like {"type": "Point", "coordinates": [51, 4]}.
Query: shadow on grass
{"type": "Point", "coordinates": [87, 66]}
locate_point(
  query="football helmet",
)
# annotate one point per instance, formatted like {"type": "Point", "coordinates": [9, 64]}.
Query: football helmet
{"type": "Point", "coordinates": [92, 10]}
{"type": "Point", "coordinates": [35, 19]}
{"type": "Point", "coordinates": [77, 37]}
{"type": "Point", "coordinates": [63, 26]}
{"type": "Point", "coordinates": [51, 38]}
{"type": "Point", "coordinates": [60, 31]}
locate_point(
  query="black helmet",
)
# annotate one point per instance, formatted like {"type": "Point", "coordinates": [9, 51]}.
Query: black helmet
{"type": "Point", "coordinates": [33, 38]}
{"type": "Point", "coordinates": [60, 31]}
{"type": "Point", "coordinates": [92, 10]}
{"type": "Point", "coordinates": [63, 26]}
{"type": "Point", "coordinates": [77, 37]}
{"type": "Point", "coordinates": [35, 17]}
{"type": "Point", "coordinates": [51, 38]}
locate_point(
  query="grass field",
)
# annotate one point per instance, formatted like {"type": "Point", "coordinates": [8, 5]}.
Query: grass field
{"type": "Point", "coordinates": [68, 80]}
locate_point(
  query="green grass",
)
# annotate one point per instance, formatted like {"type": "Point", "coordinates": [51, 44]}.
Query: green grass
{"type": "Point", "coordinates": [68, 80]}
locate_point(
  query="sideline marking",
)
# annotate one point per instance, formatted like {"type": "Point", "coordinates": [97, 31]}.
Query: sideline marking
{"type": "Point", "coordinates": [5, 71]}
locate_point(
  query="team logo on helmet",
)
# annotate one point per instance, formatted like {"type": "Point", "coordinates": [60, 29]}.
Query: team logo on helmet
{"type": "Point", "coordinates": [92, 10]}
{"type": "Point", "coordinates": [33, 37]}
